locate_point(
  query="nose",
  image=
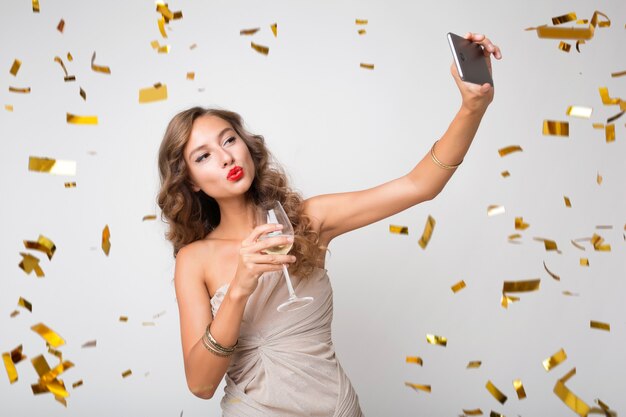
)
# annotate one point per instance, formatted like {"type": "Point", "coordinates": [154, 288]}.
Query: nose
{"type": "Point", "coordinates": [227, 158]}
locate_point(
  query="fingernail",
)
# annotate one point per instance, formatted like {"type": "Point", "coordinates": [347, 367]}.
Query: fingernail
{"type": "Point", "coordinates": [290, 238]}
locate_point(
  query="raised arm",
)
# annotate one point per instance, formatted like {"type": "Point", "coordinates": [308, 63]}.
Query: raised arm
{"type": "Point", "coordinates": [339, 213]}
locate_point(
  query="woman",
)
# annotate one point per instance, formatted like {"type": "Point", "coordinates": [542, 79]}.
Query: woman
{"type": "Point", "coordinates": [214, 175]}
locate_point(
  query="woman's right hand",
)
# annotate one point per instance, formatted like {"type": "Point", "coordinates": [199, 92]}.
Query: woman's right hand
{"type": "Point", "coordinates": [253, 262]}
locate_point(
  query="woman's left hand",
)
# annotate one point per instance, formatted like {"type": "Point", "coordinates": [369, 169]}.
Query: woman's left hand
{"type": "Point", "coordinates": [477, 97]}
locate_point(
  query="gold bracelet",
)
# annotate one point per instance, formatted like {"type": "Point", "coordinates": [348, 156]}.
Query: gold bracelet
{"type": "Point", "coordinates": [214, 343]}
{"type": "Point", "coordinates": [213, 350]}
{"type": "Point", "coordinates": [438, 162]}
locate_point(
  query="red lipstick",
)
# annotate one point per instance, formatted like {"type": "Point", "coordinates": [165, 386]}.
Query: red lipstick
{"type": "Point", "coordinates": [235, 174]}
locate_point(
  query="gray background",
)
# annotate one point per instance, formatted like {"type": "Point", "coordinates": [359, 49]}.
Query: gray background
{"type": "Point", "coordinates": [335, 127]}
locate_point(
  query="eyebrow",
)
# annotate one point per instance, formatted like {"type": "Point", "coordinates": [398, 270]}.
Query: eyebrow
{"type": "Point", "coordinates": [219, 136]}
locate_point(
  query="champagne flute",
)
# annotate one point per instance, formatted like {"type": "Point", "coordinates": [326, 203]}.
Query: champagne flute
{"type": "Point", "coordinates": [274, 213]}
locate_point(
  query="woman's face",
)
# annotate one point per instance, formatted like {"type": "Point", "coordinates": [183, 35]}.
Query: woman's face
{"type": "Point", "coordinates": [218, 159]}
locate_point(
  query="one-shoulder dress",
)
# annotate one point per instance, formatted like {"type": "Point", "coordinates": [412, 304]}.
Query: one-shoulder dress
{"type": "Point", "coordinates": [285, 364]}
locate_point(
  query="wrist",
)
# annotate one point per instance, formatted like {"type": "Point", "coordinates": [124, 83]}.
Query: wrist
{"type": "Point", "coordinates": [472, 111]}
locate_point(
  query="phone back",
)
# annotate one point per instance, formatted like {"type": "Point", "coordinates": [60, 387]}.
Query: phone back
{"type": "Point", "coordinates": [470, 60]}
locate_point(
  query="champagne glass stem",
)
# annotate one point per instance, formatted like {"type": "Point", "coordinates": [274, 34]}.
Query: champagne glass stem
{"type": "Point", "coordinates": [292, 293]}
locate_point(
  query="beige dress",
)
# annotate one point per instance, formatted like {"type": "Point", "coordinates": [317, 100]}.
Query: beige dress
{"type": "Point", "coordinates": [285, 364]}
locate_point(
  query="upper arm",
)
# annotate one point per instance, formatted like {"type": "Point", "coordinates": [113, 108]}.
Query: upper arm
{"type": "Point", "coordinates": [342, 212]}
{"type": "Point", "coordinates": [192, 297]}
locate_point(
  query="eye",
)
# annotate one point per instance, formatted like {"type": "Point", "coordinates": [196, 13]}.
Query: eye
{"type": "Point", "coordinates": [230, 140]}
{"type": "Point", "coordinates": [201, 157]}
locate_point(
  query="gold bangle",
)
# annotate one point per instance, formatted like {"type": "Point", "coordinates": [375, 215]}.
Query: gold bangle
{"type": "Point", "coordinates": [438, 162]}
{"type": "Point", "coordinates": [213, 350]}
{"type": "Point", "coordinates": [216, 345]}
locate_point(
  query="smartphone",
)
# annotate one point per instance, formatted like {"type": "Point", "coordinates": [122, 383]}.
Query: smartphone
{"type": "Point", "coordinates": [470, 61]}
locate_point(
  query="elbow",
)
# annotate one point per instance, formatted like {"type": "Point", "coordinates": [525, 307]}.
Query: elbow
{"type": "Point", "coordinates": [204, 392]}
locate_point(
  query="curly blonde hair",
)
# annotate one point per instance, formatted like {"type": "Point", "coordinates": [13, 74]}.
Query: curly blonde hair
{"type": "Point", "coordinates": [192, 215]}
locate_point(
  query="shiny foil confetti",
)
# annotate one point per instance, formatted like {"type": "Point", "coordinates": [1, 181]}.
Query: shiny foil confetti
{"type": "Point", "coordinates": [569, 398]}
{"type": "Point", "coordinates": [428, 232]}
{"type": "Point", "coordinates": [554, 360]}
{"type": "Point", "coordinates": [598, 243]}
{"type": "Point", "coordinates": [563, 19]}
{"type": "Point", "coordinates": [361, 21]}
{"type": "Point", "coordinates": [248, 32]}
{"type": "Point", "coordinates": [598, 125]}
{"type": "Point", "coordinates": [67, 77]}
{"type": "Point", "coordinates": [552, 32]}
{"type": "Point", "coordinates": [399, 230]}
{"type": "Point", "coordinates": [458, 286]}
{"type": "Point", "coordinates": [31, 263]}
{"type": "Point", "coordinates": [579, 246]}
{"type": "Point", "coordinates": [148, 323]}
{"type": "Point", "coordinates": [519, 389]}
{"type": "Point", "coordinates": [106, 244]}
{"type": "Point", "coordinates": [161, 49]}
{"type": "Point", "coordinates": [578, 43]}
{"type": "Point", "coordinates": [606, 98]}
{"type": "Point", "coordinates": [43, 244]}
{"type": "Point", "coordinates": [22, 302]}
{"type": "Point", "coordinates": [61, 25]}
{"type": "Point", "coordinates": [414, 359]}
{"type": "Point", "coordinates": [564, 46]}
{"type": "Point", "coordinates": [600, 325]}
{"type": "Point", "coordinates": [24, 90]}
{"type": "Point", "coordinates": [166, 13]}
{"type": "Point", "coordinates": [505, 174]}
{"type": "Point", "coordinates": [123, 319]}
{"type": "Point", "coordinates": [579, 111]}
{"type": "Point", "coordinates": [550, 245]}
{"type": "Point", "coordinates": [127, 373]}
{"type": "Point", "coordinates": [494, 414]}
{"type": "Point", "coordinates": [260, 48]}
{"type": "Point", "coordinates": [149, 217]}
{"type": "Point", "coordinates": [473, 365]}
{"type": "Point", "coordinates": [191, 76]}
{"type": "Point", "coordinates": [555, 128]}
{"type": "Point", "coordinates": [568, 203]}
{"type": "Point", "coordinates": [99, 68]}
{"type": "Point", "coordinates": [77, 384]}
{"type": "Point", "coordinates": [584, 262]}
{"type": "Point", "coordinates": [497, 394]}
{"type": "Point", "coordinates": [599, 178]}
{"type": "Point", "coordinates": [570, 294]}
{"type": "Point", "coordinates": [49, 335]}
{"type": "Point", "coordinates": [8, 107]}
{"type": "Point", "coordinates": [609, 133]}
{"type": "Point", "coordinates": [615, 117]}
{"type": "Point", "coordinates": [83, 94]}
{"type": "Point", "coordinates": [10, 367]}
{"type": "Point", "coordinates": [14, 313]}
{"type": "Point", "coordinates": [473, 412]}
{"type": "Point", "coordinates": [437, 340]}
{"type": "Point", "coordinates": [509, 150]}
{"type": "Point", "coordinates": [506, 299]}
{"type": "Point", "coordinates": [514, 237]}
{"type": "Point", "coordinates": [552, 274]}
{"type": "Point", "coordinates": [70, 57]}
{"type": "Point", "coordinates": [91, 343]}
{"type": "Point", "coordinates": [618, 74]}
{"type": "Point", "coordinates": [15, 67]}
{"type": "Point", "coordinates": [367, 66]}
{"type": "Point", "coordinates": [156, 316]}
{"type": "Point", "coordinates": [494, 210]}
{"type": "Point", "coordinates": [157, 92]}
{"type": "Point", "coordinates": [81, 120]}
{"type": "Point", "coordinates": [361, 31]}
{"type": "Point", "coordinates": [16, 355]}
{"type": "Point", "coordinates": [161, 25]}
{"type": "Point", "coordinates": [520, 225]}
{"type": "Point", "coordinates": [274, 28]}
{"type": "Point", "coordinates": [71, 184]}
{"type": "Point", "coordinates": [416, 387]}
{"type": "Point", "coordinates": [35, 4]}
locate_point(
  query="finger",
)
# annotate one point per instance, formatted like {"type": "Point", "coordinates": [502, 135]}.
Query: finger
{"type": "Point", "coordinates": [270, 242]}
{"type": "Point", "coordinates": [261, 230]}
{"type": "Point", "coordinates": [268, 259]}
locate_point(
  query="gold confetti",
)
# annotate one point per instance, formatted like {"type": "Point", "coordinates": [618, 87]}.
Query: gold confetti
{"type": "Point", "coordinates": [552, 274]}
{"type": "Point", "coordinates": [26, 304]}
{"type": "Point", "coordinates": [48, 334]}
{"type": "Point", "coordinates": [149, 217]}
{"type": "Point", "coordinates": [70, 57]}
{"type": "Point", "coordinates": [598, 125]}
{"type": "Point", "coordinates": [520, 225]}
{"type": "Point", "coordinates": [563, 19]}
{"type": "Point", "coordinates": [14, 313]}
{"type": "Point", "coordinates": [618, 74]}
{"type": "Point", "coordinates": [161, 25]}
{"type": "Point", "coordinates": [428, 232]}
{"type": "Point", "coordinates": [70, 184]}
{"type": "Point", "coordinates": [99, 68]}
{"type": "Point", "coordinates": [606, 99]}
{"type": "Point", "coordinates": [414, 359]}
{"type": "Point", "coordinates": [564, 46]}
{"type": "Point", "coordinates": [193, 46]}
{"type": "Point", "coordinates": [106, 244]}
{"type": "Point", "coordinates": [8, 107]}
{"type": "Point", "coordinates": [494, 210]}
{"type": "Point", "coordinates": [361, 21]}
{"type": "Point", "coordinates": [555, 128]}
{"type": "Point", "coordinates": [458, 286]}
{"type": "Point", "coordinates": [161, 49]}
{"type": "Point", "coordinates": [505, 174]}
{"type": "Point", "coordinates": [549, 244]}
{"type": "Point", "coordinates": [67, 77]}
{"type": "Point", "coordinates": [15, 67]}
{"type": "Point", "coordinates": [166, 13]}
{"type": "Point", "coordinates": [123, 318]}
{"type": "Point", "coordinates": [91, 343]}
{"type": "Point", "coordinates": [367, 66]}
{"type": "Point", "coordinates": [609, 133]}
{"type": "Point", "coordinates": [437, 340]}
{"type": "Point", "coordinates": [473, 365]}
{"type": "Point", "coordinates": [578, 245]}
{"type": "Point", "coordinates": [31, 263]}
{"type": "Point", "coordinates": [10, 367]}
{"type": "Point", "coordinates": [16, 355]}
{"type": "Point", "coordinates": [362, 31]}
{"type": "Point", "coordinates": [81, 120]}
{"type": "Point", "coordinates": [506, 299]}
{"type": "Point", "coordinates": [126, 373]}
{"type": "Point", "coordinates": [77, 384]}
{"type": "Point", "coordinates": [604, 227]}
{"type": "Point", "coordinates": [578, 43]}
{"type": "Point", "coordinates": [494, 414]}
{"type": "Point", "coordinates": [249, 31]}
{"type": "Point", "coordinates": [519, 389]}
{"type": "Point", "coordinates": [497, 394]}
{"type": "Point", "coordinates": [615, 117]}
{"type": "Point", "coordinates": [569, 398]}
{"type": "Point", "coordinates": [156, 316]}
{"type": "Point", "coordinates": [56, 353]}
{"type": "Point", "coordinates": [148, 323]}
{"type": "Point", "coordinates": [517, 286]}
{"type": "Point", "coordinates": [260, 49]}
{"type": "Point", "coordinates": [61, 25]}
{"type": "Point", "coordinates": [157, 92]}
{"type": "Point", "coordinates": [598, 245]}
{"type": "Point", "coordinates": [571, 294]}
{"type": "Point", "coordinates": [554, 360]}
{"type": "Point", "coordinates": [43, 244]}
{"type": "Point", "coordinates": [25, 90]}
{"type": "Point", "coordinates": [584, 262]}
{"type": "Point", "coordinates": [552, 32]}
{"type": "Point", "coordinates": [416, 387]}
{"type": "Point", "coordinates": [599, 325]}
{"type": "Point", "coordinates": [35, 6]}
{"type": "Point", "coordinates": [399, 230]}
{"type": "Point", "coordinates": [568, 203]}
{"type": "Point", "coordinates": [83, 94]}
{"type": "Point", "coordinates": [599, 178]}
{"type": "Point", "coordinates": [274, 28]}
{"type": "Point", "coordinates": [579, 111]}
{"type": "Point", "coordinates": [191, 75]}
{"type": "Point", "coordinates": [512, 238]}
{"type": "Point", "coordinates": [474, 412]}
{"type": "Point", "coordinates": [509, 149]}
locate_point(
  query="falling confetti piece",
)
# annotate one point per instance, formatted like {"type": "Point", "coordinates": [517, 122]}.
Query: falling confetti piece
{"type": "Point", "coordinates": [48, 334]}
{"type": "Point", "coordinates": [274, 28]}
{"type": "Point", "coordinates": [568, 203]}
{"type": "Point", "coordinates": [43, 244]}
{"type": "Point", "coordinates": [597, 242]}
{"type": "Point", "coordinates": [584, 262]}
{"type": "Point", "coordinates": [70, 184]}
{"type": "Point", "coordinates": [579, 111]}
{"type": "Point", "coordinates": [70, 57]}
{"type": "Point", "coordinates": [552, 274]}
{"type": "Point", "coordinates": [549, 244]}
{"type": "Point", "coordinates": [31, 263]}
{"type": "Point", "coordinates": [25, 90]}
{"type": "Point", "coordinates": [494, 210]}
{"type": "Point", "coordinates": [555, 128]}
{"type": "Point", "coordinates": [458, 286]}
{"type": "Point", "coordinates": [149, 217]}
{"type": "Point", "coordinates": [161, 25]}
{"type": "Point", "coordinates": [414, 359]}
{"type": "Point", "coordinates": [513, 238]}
{"type": "Point", "coordinates": [10, 367]}
{"type": "Point", "coordinates": [8, 107]}
{"type": "Point", "coordinates": [83, 94]}
{"type": "Point", "coordinates": [67, 77]}
{"type": "Point", "coordinates": [156, 316]}
{"type": "Point", "coordinates": [554, 360]}
{"type": "Point", "coordinates": [362, 31]}
{"type": "Point", "coordinates": [564, 46]}
{"type": "Point", "coordinates": [505, 174]}
{"type": "Point", "coordinates": [618, 74]}
{"type": "Point", "coordinates": [428, 232]}
{"type": "Point", "coordinates": [509, 150]}
{"type": "Point", "coordinates": [552, 32]}
{"type": "Point", "coordinates": [161, 49]}
{"type": "Point", "coordinates": [563, 19]}
{"type": "Point", "coordinates": [24, 303]}
{"type": "Point", "coordinates": [606, 98]}
{"type": "Point", "coordinates": [599, 178]}
{"type": "Point", "coordinates": [399, 230]}
{"type": "Point", "coordinates": [123, 318]}
{"type": "Point", "coordinates": [473, 365]}
{"type": "Point", "coordinates": [600, 325]}
{"type": "Point", "coordinates": [99, 68]}
{"type": "Point", "coordinates": [106, 244]}
{"type": "Point", "coordinates": [81, 120]}
{"type": "Point", "coordinates": [520, 225]}
{"type": "Point", "coordinates": [578, 43]}
{"type": "Point", "coordinates": [361, 21]}
{"type": "Point", "coordinates": [615, 117]}
{"type": "Point", "coordinates": [127, 373]}
{"type": "Point", "coordinates": [474, 412]}
{"type": "Point", "coordinates": [91, 343]}
{"type": "Point", "coordinates": [497, 394]}
{"type": "Point", "coordinates": [157, 92]}
{"type": "Point", "coordinates": [571, 294]}
{"type": "Point", "coordinates": [569, 398]}
{"type": "Point", "coordinates": [248, 32]}
{"type": "Point", "coordinates": [61, 25]}
{"type": "Point", "coordinates": [16, 355]}
{"type": "Point", "coordinates": [598, 125]}
{"type": "Point", "coordinates": [437, 340]}
{"type": "Point", "coordinates": [14, 313]}
{"type": "Point", "coordinates": [260, 49]}
{"type": "Point", "coordinates": [166, 13]}
{"type": "Point", "coordinates": [193, 46]}
{"type": "Point", "coordinates": [77, 384]}
{"type": "Point", "coordinates": [367, 66]}
{"type": "Point", "coordinates": [148, 323]}
{"type": "Point", "coordinates": [15, 67]}
{"type": "Point", "coordinates": [191, 75]}
{"type": "Point", "coordinates": [416, 387]}
{"type": "Point", "coordinates": [35, 6]}
{"type": "Point", "coordinates": [517, 286]}
{"type": "Point", "coordinates": [494, 414]}
{"type": "Point", "coordinates": [519, 389]}
{"type": "Point", "coordinates": [609, 133]}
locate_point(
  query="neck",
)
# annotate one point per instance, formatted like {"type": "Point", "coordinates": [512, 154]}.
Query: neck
{"type": "Point", "coordinates": [236, 219]}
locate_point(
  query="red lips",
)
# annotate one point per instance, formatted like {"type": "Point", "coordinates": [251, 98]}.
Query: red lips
{"type": "Point", "coordinates": [235, 174]}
